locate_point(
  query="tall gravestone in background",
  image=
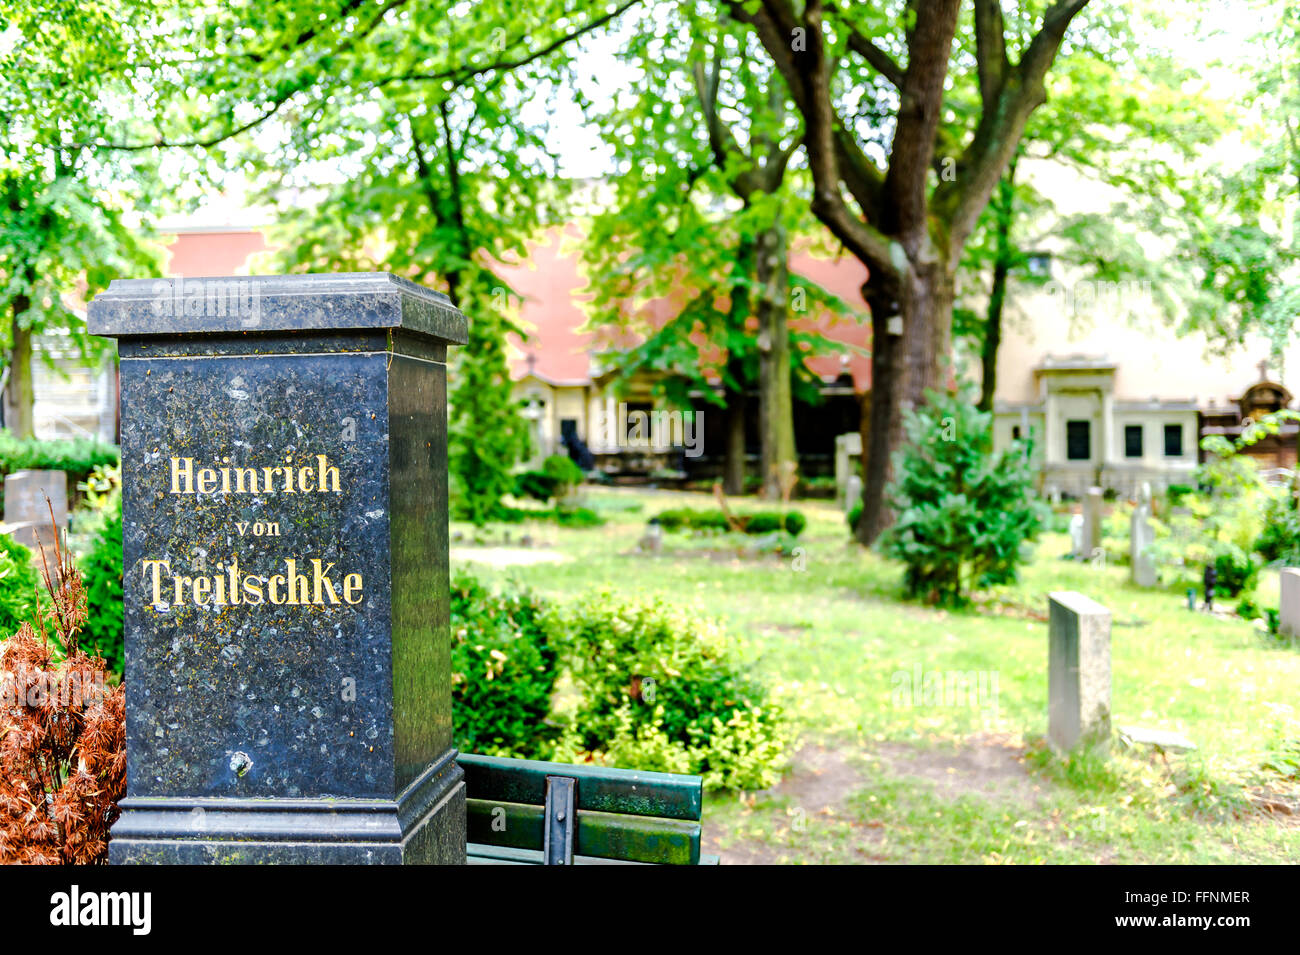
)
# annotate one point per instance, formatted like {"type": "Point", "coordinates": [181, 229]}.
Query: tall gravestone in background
{"type": "Point", "coordinates": [1142, 537]}
{"type": "Point", "coordinates": [1289, 609]}
{"type": "Point", "coordinates": [1092, 505]}
{"type": "Point", "coordinates": [285, 537]}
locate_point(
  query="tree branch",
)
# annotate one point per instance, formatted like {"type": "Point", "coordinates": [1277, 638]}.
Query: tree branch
{"type": "Point", "coordinates": [929, 46]}
{"type": "Point", "coordinates": [990, 50]}
{"type": "Point", "coordinates": [876, 58]}
{"type": "Point", "coordinates": [1000, 129]}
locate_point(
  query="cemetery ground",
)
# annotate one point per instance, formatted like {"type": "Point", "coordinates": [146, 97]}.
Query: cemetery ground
{"type": "Point", "coordinates": [885, 772]}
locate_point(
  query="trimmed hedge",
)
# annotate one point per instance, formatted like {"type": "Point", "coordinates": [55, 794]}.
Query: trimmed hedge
{"type": "Point", "coordinates": [760, 522]}
{"type": "Point", "coordinates": [77, 456]}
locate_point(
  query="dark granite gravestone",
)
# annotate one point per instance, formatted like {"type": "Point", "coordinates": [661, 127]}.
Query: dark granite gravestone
{"type": "Point", "coordinates": [285, 532]}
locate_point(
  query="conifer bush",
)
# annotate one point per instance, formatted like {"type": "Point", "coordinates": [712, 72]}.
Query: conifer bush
{"type": "Point", "coordinates": [963, 511]}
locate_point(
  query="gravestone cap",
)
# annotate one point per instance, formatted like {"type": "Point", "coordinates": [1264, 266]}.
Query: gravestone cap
{"type": "Point", "coordinates": [1077, 602]}
{"type": "Point", "coordinates": [261, 304]}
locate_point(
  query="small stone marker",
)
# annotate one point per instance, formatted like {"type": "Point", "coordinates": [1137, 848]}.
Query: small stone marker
{"type": "Point", "coordinates": [852, 492]}
{"type": "Point", "coordinates": [1091, 539]}
{"type": "Point", "coordinates": [1076, 536]}
{"type": "Point", "coordinates": [653, 539]}
{"type": "Point", "coordinates": [1162, 740]}
{"type": "Point", "coordinates": [26, 512]}
{"type": "Point", "coordinates": [848, 449]}
{"type": "Point", "coordinates": [1078, 671]}
{"type": "Point", "coordinates": [1142, 536]}
{"type": "Point", "coordinates": [1289, 618]}
{"type": "Point", "coordinates": [288, 684]}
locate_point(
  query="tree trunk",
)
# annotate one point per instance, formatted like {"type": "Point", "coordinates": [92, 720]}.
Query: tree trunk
{"type": "Point", "coordinates": [1002, 261]}
{"type": "Point", "coordinates": [20, 373]}
{"type": "Point", "coordinates": [733, 478]}
{"type": "Point", "coordinates": [776, 409]}
{"type": "Point", "coordinates": [903, 368]}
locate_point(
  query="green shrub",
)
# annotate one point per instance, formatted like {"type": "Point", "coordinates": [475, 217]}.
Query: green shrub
{"type": "Point", "coordinates": [78, 456]}
{"type": "Point", "coordinates": [851, 518]}
{"type": "Point", "coordinates": [577, 517]}
{"type": "Point", "coordinates": [1237, 570]}
{"type": "Point", "coordinates": [102, 573]}
{"type": "Point", "coordinates": [538, 485]}
{"type": "Point", "coordinates": [764, 523]}
{"type": "Point", "coordinates": [653, 679]}
{"type": "Point", "coordinates": [564, 472]}
{"type": "Point", "coordinates": [963, 509]}
{"type": "Point", "coordinates": [18, 583]}
{"type": "Point", "coordinates": [685, 518]}
{"type": "Point", "coordinates": [1177, 492]}
{"type": "Point", "coordinates": [1279, 541]}
{"type": "Point", "coordinates": [759, 522]}
{"type": "Point", "coordinates": [503, 672]}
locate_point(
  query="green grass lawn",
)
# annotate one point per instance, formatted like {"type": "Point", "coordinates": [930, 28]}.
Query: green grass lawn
{"type": "Point", "coordinates": [954, 780]}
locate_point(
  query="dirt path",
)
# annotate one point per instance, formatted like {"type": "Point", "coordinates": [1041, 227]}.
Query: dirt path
{"type": "Point", "coordinates": [821, 779]}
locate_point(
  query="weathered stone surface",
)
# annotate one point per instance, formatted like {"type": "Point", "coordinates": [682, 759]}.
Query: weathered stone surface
{"type": "Point", "coordinates": [1078, 685]}
{"type": "Point", "coordinates": [27, 513]}
{"type": "Point", "coordinates": [1289, 616]}
{"type": "Point", "coordinates": [285, 541]}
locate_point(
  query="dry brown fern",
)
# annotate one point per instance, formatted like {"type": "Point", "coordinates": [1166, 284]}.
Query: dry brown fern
{"type": "Point", "coordinates": [62, 734]}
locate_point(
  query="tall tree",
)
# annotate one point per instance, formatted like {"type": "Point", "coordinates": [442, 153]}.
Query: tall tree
{"type": "Point", "coordinates": [906, 207]}
{"type": "Point", "coordinates": [69, 211]}
{"type": "Point", "coordinates": [1125, 130]}
{"type": "Point", "coordinates": [705, 205]}
{"type": "Point", "coordinates": [413, 118]}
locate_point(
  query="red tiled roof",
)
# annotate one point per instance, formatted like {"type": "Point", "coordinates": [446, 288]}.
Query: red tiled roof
{"type": "Point", "coordinates": [551, 283]}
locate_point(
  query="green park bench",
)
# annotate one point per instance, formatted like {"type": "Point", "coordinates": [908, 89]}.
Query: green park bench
{"type": "Point", "coordinates": [528, 812]}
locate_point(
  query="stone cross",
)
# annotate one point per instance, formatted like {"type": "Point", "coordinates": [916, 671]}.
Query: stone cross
{"type": "Point", "coordinates": [1078, 671]}
{"type": "Point", "coordinates": [284, 478]}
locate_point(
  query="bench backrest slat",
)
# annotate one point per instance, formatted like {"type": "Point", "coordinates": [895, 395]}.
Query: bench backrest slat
{"type": "Point", "coordinates": [598, 834]}
{"type": "Point", "coordinates": [600, 789]}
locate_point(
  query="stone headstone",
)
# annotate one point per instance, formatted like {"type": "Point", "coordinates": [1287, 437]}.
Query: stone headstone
{"type": "Point", "coordinates": [1091, 537]}
{"type": "Point", "coordinates": [1076, 536]}
{"type": "Point", "coordinates": [1289, 616]}
{"type": "Point", "coordinates": [848, 450]}
{"type": "Point", "coordinates": [285, 578]}
{"type": "Point", "coordinates": [1078, 671]}
{"type": "Point", "coordinates": [1142, 535]}
{"type": "Point", "coordinates": [653, 539]}
{"type": "Point", "coordinates": [852, 492]}
{"type": "Point", "coordinates": [26, 512]}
